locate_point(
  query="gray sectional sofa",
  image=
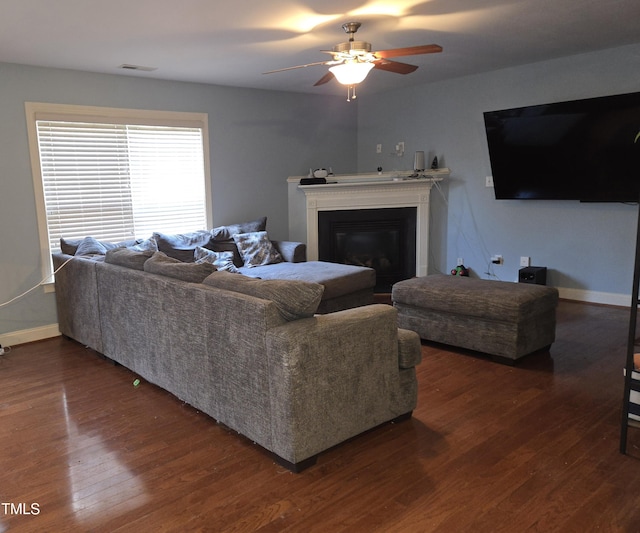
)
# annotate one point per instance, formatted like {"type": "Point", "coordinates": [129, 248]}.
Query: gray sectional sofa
{"type": "Point", "coordinates": [251, 353]}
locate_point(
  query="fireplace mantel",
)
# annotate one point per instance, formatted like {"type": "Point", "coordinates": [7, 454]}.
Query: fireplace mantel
{"type": "Point", "coordinates": [364, 191]}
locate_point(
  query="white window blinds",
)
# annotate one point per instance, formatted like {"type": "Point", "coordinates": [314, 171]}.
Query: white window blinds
{"type": "Point", "coordinates": [120, 181]}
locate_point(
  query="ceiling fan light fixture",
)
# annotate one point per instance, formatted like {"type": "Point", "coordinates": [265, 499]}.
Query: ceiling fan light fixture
{"type": "Point", "coordinates": [351, 73]}
{"type": "Point", "coordinates": [352, 61]}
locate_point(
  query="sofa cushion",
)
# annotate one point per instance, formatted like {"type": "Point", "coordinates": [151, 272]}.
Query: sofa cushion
{"type": "Point", "coordinates": [221, 260]}
{"type": "Point", "coordinates": [336, 278]}
{"type": "Point", "coordinates": [256, 249]}
{"type": "Point", "coordinates": [294, 299]}
{"type": "Point", "coordinates": [181, 245]}
{"type": "Point", "coordinates": [127, 258]}
{"type": "Point", "coordinates": [161, 263]}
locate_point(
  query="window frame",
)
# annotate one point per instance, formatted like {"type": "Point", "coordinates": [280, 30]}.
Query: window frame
{"type": "Point", "coordinates": [76, 113]}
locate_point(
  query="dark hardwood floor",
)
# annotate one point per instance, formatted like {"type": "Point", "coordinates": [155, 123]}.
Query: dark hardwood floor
{"type": "Point", "coordinates": [490, 448]}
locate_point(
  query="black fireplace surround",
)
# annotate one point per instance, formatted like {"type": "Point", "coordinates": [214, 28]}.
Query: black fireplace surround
{"type": "Point", "coordinates": [383, 239]}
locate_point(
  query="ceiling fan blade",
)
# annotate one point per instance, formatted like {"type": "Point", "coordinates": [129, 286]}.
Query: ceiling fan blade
{"type": "Point", "coordinates": [409, 51]}
{"type": "Point", "coordinates": [325, 79]}
{"type": "Point", "coordinates": [298, 66]}
{"type": "Point", "coordinates": [394, 66]}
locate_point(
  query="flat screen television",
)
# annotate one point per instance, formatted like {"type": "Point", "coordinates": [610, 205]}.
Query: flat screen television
{"type": "Point", "coordinates": [587, 150]}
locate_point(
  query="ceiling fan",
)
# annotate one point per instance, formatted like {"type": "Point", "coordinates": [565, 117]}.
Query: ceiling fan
{"type": "Point", "coordinates": [351, 61]}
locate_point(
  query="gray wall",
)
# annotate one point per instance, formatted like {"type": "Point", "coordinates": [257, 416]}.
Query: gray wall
{"type": "Point", "coordinates": [257, 140]}
{"type": "Point", "coordinates": [588, 248]}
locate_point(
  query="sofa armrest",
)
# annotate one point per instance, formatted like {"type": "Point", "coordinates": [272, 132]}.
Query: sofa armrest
{"type": "Point", "coordinates": [291, 251]}
{"type": "Point", "coordinates": [334, 376]}
{"type": "Point", "coordinates": [409, 348]}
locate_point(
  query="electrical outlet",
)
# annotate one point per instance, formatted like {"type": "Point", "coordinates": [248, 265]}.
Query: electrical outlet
{"type": "Point", "coordinates": [497, 259]}
{"type": "Point", "coordinates": [525, 261]}
{"type": "Point", "coordinates": [460, 261]}
{"type": "Point", "coordinates": [378, 148]}
{"type": "Point", "coordinates": [488, 181]}
{"type": "Point", "coordinates": [400, 149]}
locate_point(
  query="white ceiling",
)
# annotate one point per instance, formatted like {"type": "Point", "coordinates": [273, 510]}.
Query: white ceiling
{"type": "Point", "coordinates": [235, 41]}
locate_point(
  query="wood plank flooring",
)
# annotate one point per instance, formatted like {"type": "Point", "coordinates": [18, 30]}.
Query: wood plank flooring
{"type": "Point", "coordinates": [491, 448]}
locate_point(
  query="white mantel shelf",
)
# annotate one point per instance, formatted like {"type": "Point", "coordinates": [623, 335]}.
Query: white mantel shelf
{"type": "Point", "coordinates": [372, 191]}
{"type": "Point", "coordinates": [384, 178]}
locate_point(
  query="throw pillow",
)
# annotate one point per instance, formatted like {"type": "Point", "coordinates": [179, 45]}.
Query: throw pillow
{"type": "Point", "coordinates": [161, 263]}
{"type": "Point", "coordinates": [90, 246]}
{"type": "Point", "coordinates": [181, 245]}
{"type": "Point", "coordinates": [127, 258]}
{"type": "Point", "coordinates": [70, 246]}
{"type": "Point", "coordinates": [221, 260]}
{"type": "Point", "coordinates": [226, 233]}
{"type": "Point", "coordinates": [147, 245]}
{"type": "Point", "coordinates": [294, 299]}
{"type": "Point", "coordinates": [122, 244]}
{"type": "Point", "coordinates": [256, 249]}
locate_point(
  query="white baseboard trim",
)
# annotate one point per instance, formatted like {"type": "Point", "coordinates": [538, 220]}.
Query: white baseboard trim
{"type": "Point", "coordinates": [29, 335]}
{"type": "Point", "coordinates": [607, 298]}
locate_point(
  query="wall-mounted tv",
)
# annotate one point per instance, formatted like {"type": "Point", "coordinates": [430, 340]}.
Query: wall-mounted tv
{"type": "Point", "coordinates": [586, 150]}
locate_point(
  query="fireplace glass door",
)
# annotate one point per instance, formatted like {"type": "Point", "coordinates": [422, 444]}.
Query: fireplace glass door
{"type": "Point", "coordinates": [382, 239]}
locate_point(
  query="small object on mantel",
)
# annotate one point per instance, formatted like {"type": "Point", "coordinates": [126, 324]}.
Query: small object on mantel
{"type": "Point", "coordinates": [320, 173]}
{"type": "Point", "coordinates": [434, 164]}
{"type": "Point", "coordinates": [313, 181]}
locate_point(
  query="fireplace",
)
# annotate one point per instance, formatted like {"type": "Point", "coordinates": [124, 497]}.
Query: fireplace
{"type": "Point", "coordinates": [382, 239]}
{"type": "Point", "coordinates": [365, 193]}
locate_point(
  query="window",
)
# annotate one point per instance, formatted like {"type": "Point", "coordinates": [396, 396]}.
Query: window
{"type": "Point", "coordinates": [117, 174]}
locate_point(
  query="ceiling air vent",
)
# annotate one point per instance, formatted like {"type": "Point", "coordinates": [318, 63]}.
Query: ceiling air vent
{"type": "Point", "coordinates": [127, 66]}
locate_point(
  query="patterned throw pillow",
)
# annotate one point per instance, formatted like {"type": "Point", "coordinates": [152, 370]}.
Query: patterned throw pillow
{"type": "Point", "coordinates": [221, 260]}
{"type": "Point", "coordinates": [256, 249]}
{"type": "Point", "coordinates": [222, 237]}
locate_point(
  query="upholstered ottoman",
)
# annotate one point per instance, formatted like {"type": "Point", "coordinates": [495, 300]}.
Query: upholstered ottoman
{"type": "Point", "coordinates": [503, 319]}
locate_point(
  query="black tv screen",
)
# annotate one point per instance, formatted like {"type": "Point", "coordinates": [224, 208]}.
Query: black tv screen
{"type": "Point", "coordinates": [586, 150]}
